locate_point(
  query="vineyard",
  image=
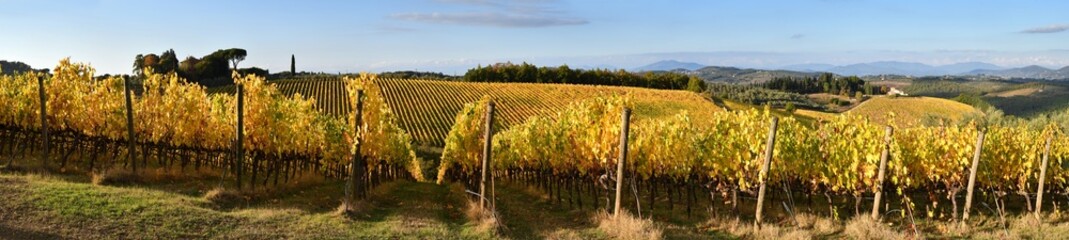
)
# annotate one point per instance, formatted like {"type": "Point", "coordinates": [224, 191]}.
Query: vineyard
{"type": "Point", "coordinates": [579, 144]}
{"type": "Point", "coordinates": [573, 156]}
{"type": "Point", "coordinates": [329, 93]}
{"type": "Point", "coordinates": [913, 111]}
{"type": "Point", "coordinates": [78, 122]}
{"type": "Point", "coordinates": [425, 108]}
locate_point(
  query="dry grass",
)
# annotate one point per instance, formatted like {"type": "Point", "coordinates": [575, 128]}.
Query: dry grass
{"type": "Point", "coordinates": [626, 226]}
{"type": "Point", "coordinates": [1027, 227]}
{"type": "Point", "coordinates": [121, 176]}
{"type": "Point", "coordinates": [863, 227]}
{"type": "Point", "coordinates": [357, 208]}
{"type": "Point", "coordinates": [817, 225]}
{"type": "Point", "coordinates": [768, 231]}
{"type": "Point", "coordinates": [485, 219]}
{"type": "Point", "coordinates": [174, 174]}
{"type": "Point", "coordinates": [115, 176]}
{"type": "Point", "coordinates": [224, 197]}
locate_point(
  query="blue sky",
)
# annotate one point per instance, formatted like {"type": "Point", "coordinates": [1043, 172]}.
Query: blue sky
{"type": "Point", "coordinates": [452, 35]}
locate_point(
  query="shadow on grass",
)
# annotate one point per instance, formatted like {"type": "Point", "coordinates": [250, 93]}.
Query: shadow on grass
{"type": "Point", "coordinates": [529, 214]}
{"type": "Point", "coordinates": [13, 233]}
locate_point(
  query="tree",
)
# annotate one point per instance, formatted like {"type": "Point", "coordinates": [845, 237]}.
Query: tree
{"type": "Point", "coordinates": [139, 62]}
{"type": "Point", "coordinates": [789, 107]}
{"type": "Point", "coordinates": [150, 61]}
{"type": "Point", "coordinates": [254, 71]}
{"type": "Point", "coordinates": [168, 62]}
{"type": "Point", "coordinates": [293, 64]}
{"type": "Point", "coordinates": [235, 55]}
{"type": "Point", "coordinates": [188, 68]}
{"type": "Point", "coordinates": [695, 85]}
{"type": "Point", "coordinates": [15, 67]}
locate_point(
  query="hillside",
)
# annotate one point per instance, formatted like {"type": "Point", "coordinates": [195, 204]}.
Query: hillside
{"type": "Point", "coordinates": [1022, 99]}
{"type": "Point", "coordinates": [1028, 72]}
{"type": "Point", "coordinates": [911, 111]}
{"type": "Point", "coordinates": [1030, 99]}
{"type": "Point", "coordinates": [427, 108]}
{"type": "Point", "coordinates": [742, 75]}
{"type": "Point", "coordinates": [329, 92]}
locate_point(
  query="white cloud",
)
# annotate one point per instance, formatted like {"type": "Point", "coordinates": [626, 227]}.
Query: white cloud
{"type": "Point", "coordinates": [498, 13]}
{"type": "Point", "coordinates": [1048, 29]}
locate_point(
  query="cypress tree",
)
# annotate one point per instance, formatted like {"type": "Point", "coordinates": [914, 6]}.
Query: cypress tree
{"type": "Point", "coordinates": [293, 64]}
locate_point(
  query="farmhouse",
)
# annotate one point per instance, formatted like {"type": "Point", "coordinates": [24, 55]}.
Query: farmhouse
{"type": "Point", "coordinates": [896, 91]}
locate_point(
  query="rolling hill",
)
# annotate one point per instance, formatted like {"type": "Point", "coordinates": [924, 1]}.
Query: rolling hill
{"type": "Point", "coordinates": [742, 75]}
{"type": "Point", "coordinates": [911, 68]}
{"type": "Point", "coordinates": [1030, 99]}
{"type": "Point", "coordinates": [912, 111]}
{"type": "Point", "coordinates": [1029, 72]}
{"type": "Point", "coordinates": [427, 108]}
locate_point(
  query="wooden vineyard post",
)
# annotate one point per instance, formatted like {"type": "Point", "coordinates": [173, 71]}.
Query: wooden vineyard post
{"type": "Point", "coordinates": [972, 176]}
{"type": "Point", "coordinates": [1042, 177]}
{"type": "Point", "coordinates": [626, 124]}
{"type": "Point", "coordinates": [356, 165]}
{"type": "Point", "coordinates": [44, 120]}
{"type": "Point", "coordinates": [131, 139]}
{"type": "Point", "coordinates": [880, 175]}
{"type": "Point", "coordinates": [488, 134]}
{"type": "Point", "coordinates": [763, 175]}
{"type": "Point", "coordinates": [239, 145]}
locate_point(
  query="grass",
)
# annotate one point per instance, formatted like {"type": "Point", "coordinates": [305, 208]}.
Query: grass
{"type": "Point", "coordinates": [627, 226]}
{"type": "Point", "coordinates": [70, 206]}
{"type": "Point", "coordinates": [52, 207]}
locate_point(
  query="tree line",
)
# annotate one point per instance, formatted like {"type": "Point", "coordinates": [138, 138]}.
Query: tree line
{"type": "Point", "coordinates": [210, 70]}
{"type": "Point", "coordinates": [417, 75]}
{"type": "Point", "coordinates": [755, 95]}
{"type": "Point", "coordinates": [16, 67]}
{"type": "Point", "coordinates": [528, 73]}
{"type": "Point", "coordinates": [823, 83]}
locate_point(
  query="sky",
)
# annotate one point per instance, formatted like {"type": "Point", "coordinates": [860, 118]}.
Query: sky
{"type": "Point", "coordinates": [451, 36]}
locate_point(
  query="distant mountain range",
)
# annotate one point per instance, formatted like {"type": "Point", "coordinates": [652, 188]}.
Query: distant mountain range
{"type": "Point", "coordinates": [1033, 72]}
{"type": "Point", "coordinates": [896, 68]}
{"type": "Point", "coordinates": [668, 65]}
{"type": "Point", "coordinates": [732, 74]}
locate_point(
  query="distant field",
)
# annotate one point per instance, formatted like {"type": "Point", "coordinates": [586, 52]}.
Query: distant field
{"type": "Point", "coordinates": [952, 88]}
{"type": "Point", "coordinates": [818, 115]}
{"type": "Point", "coordinates": [1030, 99]}
{"type": "Point", "coordinates": [1022, 99]}
{"type": "Point", "coordinates": [896, 83]}
{"type": "Point", "coordinates": [910, 111]}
